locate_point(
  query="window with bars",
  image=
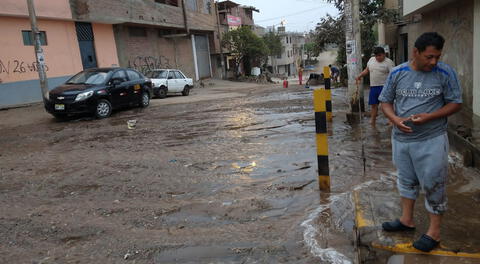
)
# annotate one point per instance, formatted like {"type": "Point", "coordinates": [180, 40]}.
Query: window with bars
{"type": "Point", "coordinates": [249, 14]}
{"type": "Point", "coordinates": [84, 31]}
{"type": "Point", "coordinates": [191, 5]}
{"type": "Point", "coordinates": [207, 7]}
{"type": "Point", "coordinates": [29, 40]}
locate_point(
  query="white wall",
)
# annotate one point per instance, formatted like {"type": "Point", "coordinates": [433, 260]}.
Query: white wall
{"type": "Point", "coordinates": [410, 6]}
{"type": "Point", "coordinates": [476, 60]}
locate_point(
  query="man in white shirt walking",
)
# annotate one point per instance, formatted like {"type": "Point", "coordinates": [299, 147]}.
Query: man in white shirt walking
{"type": "Point", "coordinates": [379, 67]}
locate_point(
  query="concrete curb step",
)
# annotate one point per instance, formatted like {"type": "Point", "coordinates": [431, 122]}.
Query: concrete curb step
{"type": "Point", "coordinates": [459, 240]}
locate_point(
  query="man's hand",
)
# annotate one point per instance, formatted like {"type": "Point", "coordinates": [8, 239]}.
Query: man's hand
{"type": "Point", "coordinates": [420, 119]}
{"type": "Point", "coordinates": [357, 80]}
{"type": "Point", "coordinates": [360, 76]}
{"type": "Point", "coordinates": [400, 123]}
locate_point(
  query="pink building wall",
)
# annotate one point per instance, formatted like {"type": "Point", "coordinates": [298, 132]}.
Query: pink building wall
{"type": "Point", "coordinates": [105, 47]}
{"type": "Point", "coordinates": [18, 70]}
{"type": "Point", "coordinates": [62, 53]}
{"type": "Point", "coordinates": [57, 9]}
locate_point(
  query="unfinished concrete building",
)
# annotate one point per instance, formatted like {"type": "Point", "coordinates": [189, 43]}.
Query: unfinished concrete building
{"type": "Point", "coordinates": [153, 34]}
{"type": "Point", "coordinates": [231, 16]}
{"type": "Point", "coordinates": [289, 61]}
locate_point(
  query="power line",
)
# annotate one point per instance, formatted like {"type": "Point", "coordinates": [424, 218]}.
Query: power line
{"type": "Point", "coordinates": [291, 14]}
{"type": "Point", "coordinates": [312, 1]}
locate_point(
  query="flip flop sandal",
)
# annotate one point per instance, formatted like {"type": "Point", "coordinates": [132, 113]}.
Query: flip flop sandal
{"type": "Point", "coordinates": [425, 243]}
{"type": "Point", "coordinates": [395, 226]}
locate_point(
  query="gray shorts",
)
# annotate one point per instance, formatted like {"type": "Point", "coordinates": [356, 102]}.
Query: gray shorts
{"type": "Point", "coordinates": [423, 164]}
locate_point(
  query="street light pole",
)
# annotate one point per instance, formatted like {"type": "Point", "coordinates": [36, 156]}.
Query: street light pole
{"type": "Point", "coordinates": [354, 54]}
{"type": "Point", "coordinates": [38, 50]}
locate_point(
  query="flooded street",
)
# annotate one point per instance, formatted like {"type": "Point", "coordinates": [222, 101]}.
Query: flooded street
{"type": "Point", "coordinates": [231, 180]}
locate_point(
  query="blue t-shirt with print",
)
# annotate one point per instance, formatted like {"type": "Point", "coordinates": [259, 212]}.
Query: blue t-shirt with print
{"type": "Point", "coordinates": [415, 92]}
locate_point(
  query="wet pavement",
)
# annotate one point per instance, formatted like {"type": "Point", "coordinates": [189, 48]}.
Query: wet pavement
{"type": "Point", "coordinates": [459, 235]}
{"type": "Point", "coordinates": [227, 178]}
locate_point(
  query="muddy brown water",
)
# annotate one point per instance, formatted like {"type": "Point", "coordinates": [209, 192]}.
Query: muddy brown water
{"type": "Point", "coordinates": [221, 181]}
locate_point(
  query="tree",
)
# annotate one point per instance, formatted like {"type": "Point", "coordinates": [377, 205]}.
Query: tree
{"type": "Point", "coordinates": [332, 29]}
{"type": "Point", "coordinates": [329, 30]}
{"type": "Point", "coordinates": [245, 47]}
{"type": "Point", "coordinates": [309, 48]}
{"type": "Point", "coordinates": [274, 44]}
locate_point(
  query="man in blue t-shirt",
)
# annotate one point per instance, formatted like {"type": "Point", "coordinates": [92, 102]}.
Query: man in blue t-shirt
{"type": "Point", "coordinates": [418, 97]}
{"type": "Point", "coordinates": [335, 73]}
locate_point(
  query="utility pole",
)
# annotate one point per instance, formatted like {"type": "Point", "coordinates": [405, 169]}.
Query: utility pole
{"type": "Point", "coordinates": [222, 56]}
{"type": "Point", "coordinates": [354, 54]}
{"type": "Point", "coordinates": [274, 57]}
{"type": "Point", "coordinates": [38, 51]}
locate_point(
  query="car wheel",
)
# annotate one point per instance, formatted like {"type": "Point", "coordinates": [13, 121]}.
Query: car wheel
{"type": "Point", "coordinates": [103, 109]}
{"type": "Point", "coordinates": [145, 99]}
{"type": "Point", "coordinates": [162, 92]}
{"type": "Point", "coordinates": [186, 91]}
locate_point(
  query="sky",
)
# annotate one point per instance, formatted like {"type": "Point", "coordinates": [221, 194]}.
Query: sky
{"type": "Point", "coordinates": [300, 15]}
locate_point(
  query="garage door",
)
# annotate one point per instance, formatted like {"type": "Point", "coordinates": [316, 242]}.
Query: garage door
{"type": "Point", "coordinates": [203, 56]}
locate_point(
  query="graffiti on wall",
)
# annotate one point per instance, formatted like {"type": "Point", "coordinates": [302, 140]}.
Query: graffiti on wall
{"type": "Point", "coordinates": [148, 63]}
{"type": "Point", "coordinates": [18, 67]}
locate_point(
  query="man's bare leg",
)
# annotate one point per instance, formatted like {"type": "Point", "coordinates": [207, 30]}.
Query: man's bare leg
{"type": "Point", "coordinates": [407, 212]}
{"type": "Point", "coordinates": [434, 228]}
{"type": "Point", "coordinates": [373, 115]}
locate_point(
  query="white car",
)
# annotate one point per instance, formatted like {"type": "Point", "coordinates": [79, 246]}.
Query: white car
{"type": "Point", "coordinates": [167, 81]}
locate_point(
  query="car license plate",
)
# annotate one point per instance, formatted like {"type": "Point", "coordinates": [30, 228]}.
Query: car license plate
{"type": "Point", "coordinates": [59, 107]}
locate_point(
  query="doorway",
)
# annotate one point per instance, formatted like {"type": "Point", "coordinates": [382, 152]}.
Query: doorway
{"type": "Point", "coordinates": [203, 56]}
{"type": "Point", "coordinates": [85, 42]}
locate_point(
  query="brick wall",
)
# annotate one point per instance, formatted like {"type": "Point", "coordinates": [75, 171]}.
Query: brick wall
{"type": "Point", "coordinates": [152, 51]}
{"type": "Point", "coordinates": [246, 19]}
{"type": "Point", "coordinates": [201, 19]}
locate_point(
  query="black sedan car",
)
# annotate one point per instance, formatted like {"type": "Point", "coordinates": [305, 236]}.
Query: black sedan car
{"type": "Point", "coordinates": [99, 91]}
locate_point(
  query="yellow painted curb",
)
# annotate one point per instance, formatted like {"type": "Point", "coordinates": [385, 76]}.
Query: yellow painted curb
{"type": "Point", "coordinates": [408, 248]}
{"type": "Point", "coordinates": [360, 220]}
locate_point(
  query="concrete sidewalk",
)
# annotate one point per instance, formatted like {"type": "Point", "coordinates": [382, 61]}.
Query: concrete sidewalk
{"type": "Point", "coordinates": [461, 224]}
{"type": "Point", "coordinates": [460, 233]}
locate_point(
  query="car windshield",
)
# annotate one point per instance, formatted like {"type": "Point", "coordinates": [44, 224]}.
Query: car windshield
{"type": "Point", "coordinates": [89, 77]}
{"type": "Point", "coordinates": [157, 74]}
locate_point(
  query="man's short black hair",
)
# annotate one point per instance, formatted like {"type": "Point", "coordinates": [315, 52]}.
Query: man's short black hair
{"type": "Point", "coordinates": [429, 39]}
{"type": "Point", "coordinates": [330, 65]}
{"type": "Point", "coordinates": [378, 51]}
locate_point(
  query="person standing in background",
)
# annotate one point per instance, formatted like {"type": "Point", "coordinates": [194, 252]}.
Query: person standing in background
{"type": "Point", "coordinates": [300, 74]}
{"type": "Point", "coordinates": [378, 67]}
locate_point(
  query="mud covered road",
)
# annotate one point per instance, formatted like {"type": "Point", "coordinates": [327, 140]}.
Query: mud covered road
{"type": "Point", "coordinates": [224, 179]}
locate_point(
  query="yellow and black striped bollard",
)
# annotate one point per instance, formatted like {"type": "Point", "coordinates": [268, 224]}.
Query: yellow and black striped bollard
{"type": "Point", "coordinates": [319, 99]}
{"type": "Point", "coordinates": [328, 87]}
